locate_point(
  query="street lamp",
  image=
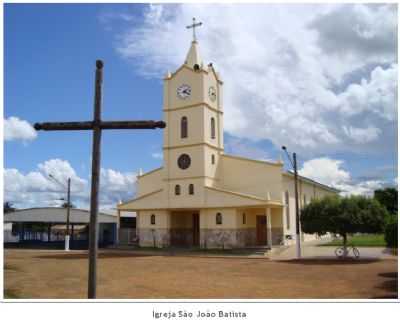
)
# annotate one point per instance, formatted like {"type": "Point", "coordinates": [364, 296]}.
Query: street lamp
{"type": "Point", "coordinates": [296, 194]}
{"type": "Point", "coordinates": [67, 236]}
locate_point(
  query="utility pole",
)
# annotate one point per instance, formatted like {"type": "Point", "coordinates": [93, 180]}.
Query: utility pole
{"type": "Point", "coordinates": [67, 234]}
{"type": "Point", "coordinates": [97, 125]}
{"type": "Point", "coordinates": [296, 195]}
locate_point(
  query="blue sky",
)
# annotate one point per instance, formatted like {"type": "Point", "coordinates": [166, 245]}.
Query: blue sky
{"type": "Point", "coordinates": [49, 59]}
{"type": "Point", "coordinates": [50, 54]}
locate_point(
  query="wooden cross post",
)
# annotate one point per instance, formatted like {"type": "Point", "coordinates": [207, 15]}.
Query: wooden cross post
{"type": "Point", "coordinates": [97, 125]}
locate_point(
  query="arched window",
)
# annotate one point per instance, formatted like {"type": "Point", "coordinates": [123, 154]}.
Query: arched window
{"type": "Point", "coordinates": [177, 189]}
{"type": "Point", "coordinates": [212, 159]}
{"type": "Point", "coordinates": [287, 210]}
{"type": "Point", "coordinates": [191, 188]}
{"type": "Point", "coordinates": [153, 219]}
{"type": "Point", "coordinates": [244, 218]}
{"type": "Point", "coordinates": [218, 218]}
{"type": "Point", "coordinates": [184, 127]}
{"type": "Point", "coordinates": [212, 128]}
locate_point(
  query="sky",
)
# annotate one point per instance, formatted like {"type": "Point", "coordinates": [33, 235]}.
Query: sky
{"type": "Point", "coordinates": [320, 79]}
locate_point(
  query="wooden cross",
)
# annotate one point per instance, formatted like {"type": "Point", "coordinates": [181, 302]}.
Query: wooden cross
{"type": "Point", "coordinates": [97, 125]}
{"type": "Point", "coordinates": [193, 26]}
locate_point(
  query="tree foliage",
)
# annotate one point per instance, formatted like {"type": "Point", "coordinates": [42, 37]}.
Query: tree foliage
{"type": "Point", "coordinates": [388, 198]}
{"type": "Point", "coordinates": [8, 207]}
{"type": "Point", "coordinates": [391, 236]}
{"type": "Point", "coordinates": [355, 214]}
{"type": "Point", "coordinates": [65, 205]}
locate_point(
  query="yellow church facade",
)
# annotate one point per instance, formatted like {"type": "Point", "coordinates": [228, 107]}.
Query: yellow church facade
{"type": "Point", "coordinates": [201, 196]}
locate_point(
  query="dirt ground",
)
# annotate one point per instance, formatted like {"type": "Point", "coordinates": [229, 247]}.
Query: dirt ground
{"type": "Point", "coordinates": [56, 274]}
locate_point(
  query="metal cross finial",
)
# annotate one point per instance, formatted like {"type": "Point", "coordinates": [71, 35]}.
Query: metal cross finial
{"type": "Point", "coordinates": [193, 26]}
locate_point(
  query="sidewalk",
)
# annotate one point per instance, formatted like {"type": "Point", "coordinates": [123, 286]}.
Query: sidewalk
{"type": "Point", "coordinates": [312, 249]}
{"type": "Point", "coordinates": [246, 253]}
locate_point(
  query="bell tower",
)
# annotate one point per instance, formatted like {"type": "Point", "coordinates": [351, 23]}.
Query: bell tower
{"type": "Point", "coordinates": [193, 138]}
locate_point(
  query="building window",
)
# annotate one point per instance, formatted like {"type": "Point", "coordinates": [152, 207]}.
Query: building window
{"type": "Point", "coordinates": [287, 210]}
{"type": "Point", "coordinates": [212, 159]}
{"type": "Point", "coordinates": [153, 219]}
{"type": "Point", "coordinates": [305, 200]}
{"type": "Point", "coordinates": [177, 190]}
{"type": "Point", "coordinates": [218, 218]}
{"type": "Point", "coordinates": [244, 218]}
{"type": "Point", "coordinates": [212, 128]}
{"type": "Point", "coordinates": [191, 188]}
{"type": "Point", "coordinates": [184, 127]}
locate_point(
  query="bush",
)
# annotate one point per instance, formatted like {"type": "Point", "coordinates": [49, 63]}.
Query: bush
{"type": "Point", "coordinates": [391, 232]}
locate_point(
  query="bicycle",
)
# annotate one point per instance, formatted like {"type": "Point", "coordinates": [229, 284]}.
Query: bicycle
{"type": "Point", "coordinates": [340, 252]}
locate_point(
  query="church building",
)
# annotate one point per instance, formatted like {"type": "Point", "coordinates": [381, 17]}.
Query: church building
{"type": "Point", "coordinates": [202, 196]}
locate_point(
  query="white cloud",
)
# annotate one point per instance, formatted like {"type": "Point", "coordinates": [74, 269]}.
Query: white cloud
{"type": "Point", "coordinates": [116, 186]}
{"type": "Point", "coordinates": [362, 135]}
{"type": "Point", "coordinates": [361, 29]}
{"type": "Point", "coordinates": [17, 129]}
{"type": "Point", "coordinates": [325, 170]}
{"type": "Point", "coordinates": [36, 188]}
{"type": "Point", "coordinates": [377, 96]}
{"type": "Point", "coordinates": [330, 172]}
{"type": "Point", "coordinates": [289, 70]}
{"type": "Point", "coordinates": [363, 188]}
{"type": "Point", "coordinates": [157, 155]}
{"type": "Point", "coordinates": [62, 170]}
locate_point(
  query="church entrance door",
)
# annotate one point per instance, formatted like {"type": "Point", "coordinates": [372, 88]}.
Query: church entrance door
{"type": "Point", "coordinates": [196, 229]}
{"type": "Point", "coordinates": [261, 226]}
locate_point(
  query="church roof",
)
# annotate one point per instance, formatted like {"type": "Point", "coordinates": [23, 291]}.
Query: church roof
{"type": "Point", "coordinates": [56, 215]}
{"type": "Point", "coordinates": [267, 162]}
{"type": "Point", "coordinates": [311, 181]}
{"type": "Point", "coordinates": [216, 198]}
{"type": "Point", "coordinates": [236, 199]}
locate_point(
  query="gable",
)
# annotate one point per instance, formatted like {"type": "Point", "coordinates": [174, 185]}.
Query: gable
{"type": "Point", "coordinates": [217, 197]}
{"type": "Point", "coordinates": [153, 200]}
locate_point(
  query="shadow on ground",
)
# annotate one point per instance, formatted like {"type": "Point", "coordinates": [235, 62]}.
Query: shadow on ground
{"type": "Point", "coordinates": [76, 256]}
{"type": "Point", "coordinates": [388, 285]}
{"type": "Point", "coordinates": [388, 274]}
{"type": "Point", "coordinates": [328, 262]}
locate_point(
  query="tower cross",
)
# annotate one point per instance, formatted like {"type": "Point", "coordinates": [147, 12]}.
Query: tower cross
{"type": "Point", "coordinates": [97, 125]}
{"type": "Point", "coordinates": [193, 26]}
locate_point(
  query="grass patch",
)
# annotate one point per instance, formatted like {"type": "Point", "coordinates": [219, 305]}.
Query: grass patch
{"type": "Point", "coordinates": [361, 240]}
{"type": "Point", "coordinates": [10, 294]}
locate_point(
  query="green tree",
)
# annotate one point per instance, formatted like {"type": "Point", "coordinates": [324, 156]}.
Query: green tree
{"type": "Point", "coordinates": [8, 207]}
{"type": "Point", "coordinates": [391, 227]}
{"type": "Point", "coordinates": [65, 205]}
{"type": "Point", "coordinates": [343, 216]}
{"type": "Point", "coordinates": [388, 198]}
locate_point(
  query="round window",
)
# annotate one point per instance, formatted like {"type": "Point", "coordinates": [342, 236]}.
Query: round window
{"type": "Point", "coordinates": [184, 161]}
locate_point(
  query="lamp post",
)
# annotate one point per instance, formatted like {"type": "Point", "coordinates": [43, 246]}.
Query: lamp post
{"type": "Point", "coordinates": [296, 194]}
{"type": "Point", "coordinates": [67, 236]}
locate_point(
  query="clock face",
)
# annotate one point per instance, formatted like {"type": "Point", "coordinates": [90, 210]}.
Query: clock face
{"type": "Point", "coordinates": [184, 91]}
{"type": "Point", "coordinates": [212, 93]}
{"type": "Point", "coordinates": [184, 161]}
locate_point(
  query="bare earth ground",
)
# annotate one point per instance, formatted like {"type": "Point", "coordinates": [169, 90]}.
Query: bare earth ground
{"type": "Point", "coordinates": [56, 274]}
